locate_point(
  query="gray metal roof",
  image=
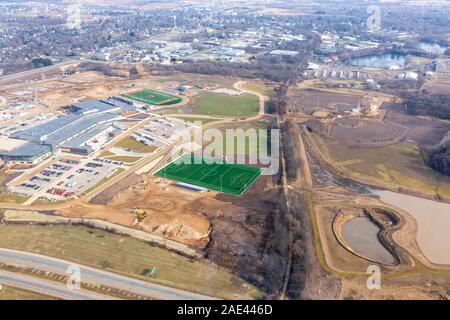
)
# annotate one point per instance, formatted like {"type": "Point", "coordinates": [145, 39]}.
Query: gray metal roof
{"type": "Point", "coordinates": [72, 130]}
{"type": "Point", "coordinates": [80, 140]}
{"type": "Point", "coordinates": [29, 149]}
{"type": "Point", "coordinates": [59, 130]}
{"type": "Point", "coordinates": [38, 132]}
{"type": "Point", "coordinates": [95, 105]}
{"type": "Point", "coordinates": [79, 127]}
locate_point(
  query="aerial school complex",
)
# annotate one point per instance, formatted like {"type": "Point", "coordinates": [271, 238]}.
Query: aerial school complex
{"type": "Point", "coordinates": [86, 126]}
{"type": "Point", "coordinates": [74, 131]}
{"type": "Point", "coordinates": [232, 179]}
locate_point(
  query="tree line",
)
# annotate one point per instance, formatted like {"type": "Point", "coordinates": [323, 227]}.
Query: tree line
{"type": "Point", "coordinates": [425, 104]}
{"type": "Point", "coordinates": [439, 157]}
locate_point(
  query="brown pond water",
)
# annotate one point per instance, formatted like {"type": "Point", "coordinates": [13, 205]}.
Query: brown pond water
{"type": "Point", "coordinates": [433, 221]}
{"type": "Point", "coordinates": [361, 234]}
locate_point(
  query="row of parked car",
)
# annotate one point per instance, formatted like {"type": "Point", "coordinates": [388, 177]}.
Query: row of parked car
{"type": "Point", "coordinates": [50, 173]}
{"type": "Point", "coordinates": [60, 192]}
{"type": "Point", "coordinates": [30, 186]}
{"type": "Point", "coordinates": [118, 163]}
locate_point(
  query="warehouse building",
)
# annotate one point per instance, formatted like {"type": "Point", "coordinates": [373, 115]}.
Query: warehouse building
{"type": "Point", "coordinates": [69, 133]}
{"type": "Point", "coordinates": [26, 153]}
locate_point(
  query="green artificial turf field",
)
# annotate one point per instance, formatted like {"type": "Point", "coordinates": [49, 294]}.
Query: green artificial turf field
{"type": "Point", "coordinates": [232, 179]}
{"type": "Point", "coordinates": [153, 97]}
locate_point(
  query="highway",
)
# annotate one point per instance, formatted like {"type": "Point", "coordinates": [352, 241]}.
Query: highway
{"type": "Point", "coordinates": [48, 287]}
{"type": "Point", "coordinates": [96, 276]}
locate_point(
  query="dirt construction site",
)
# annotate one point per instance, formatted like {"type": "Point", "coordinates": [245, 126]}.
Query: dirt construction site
{"type": "Point", "coordinates": [229, 230]}
{"type": "Point", "coordinates": [305, 217]}
{"type": "Point", "coordinates": [117, 185]}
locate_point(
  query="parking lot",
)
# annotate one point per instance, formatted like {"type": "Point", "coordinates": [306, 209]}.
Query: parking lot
{"type": "Point", "coordinates": [66, 178]}
{"type": "Point", "coordinates": [70, 177]}
{"type": "Point", "coordinates": [165, 130]}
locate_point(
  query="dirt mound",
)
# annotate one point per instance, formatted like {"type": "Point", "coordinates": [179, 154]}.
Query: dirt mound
{"type": "Point", "coordinates": [179, 230]}
{"type": "Point", "coordinates": [308, 101]}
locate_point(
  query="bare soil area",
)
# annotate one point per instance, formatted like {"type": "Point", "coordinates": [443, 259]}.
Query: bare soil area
{"type": "Point", "coordinates": [359, 132]}
{"type": "Point", "coordinates": [308, 101]}
{"type": "Point", "coordinates": [5, 178]}
{"type": "Point", "coordinates": [231, 230]}
{"type": "Point", "coordinates": [439, 84]}
{"type": "Point", "coordinates": [187, 216]}
{"type": "Point", "coordinates": [367, 133]}
{"type": "Point", "coordinates": [431, 288]}
{"type": "Point", "coordinates": [166, 208]}
{"type": "Point", "coordinates": [422, 131]}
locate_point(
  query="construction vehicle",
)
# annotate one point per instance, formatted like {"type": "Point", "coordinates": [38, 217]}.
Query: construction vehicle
{"type": "Point", "coordinates": [139, 214]}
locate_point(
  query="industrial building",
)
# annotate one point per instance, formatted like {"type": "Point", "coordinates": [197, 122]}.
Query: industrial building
{"type": "Point", "coordinates": [69, 133]}
{"type": "Point", "coordinates": [27, 152]}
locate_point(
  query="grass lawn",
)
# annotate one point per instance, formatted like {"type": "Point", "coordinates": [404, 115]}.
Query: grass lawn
{"type": "Point", "coordinates": [106, 154]}
{"type": "Point", "coordinates": [12, 198]}
{"type": "Point", "coordinates": [42, 201]}
{"type": "Point", "coordinates": [225, 105]}
{"type": "Point", "coordinates": [444, 120]}
{"type": "Point", "coordinates": [420, 60]}
{"type": "Point", "coordinates": [133, 145]}
{"type": "Point", "coordinates": [127, 256]}
{"type": "Point", "coordinates": [401, 164]}
{"type": "Point", "coordinates": [246, 147]}
{"type": "Point", "coordinates": [258, 87]}
{"type": "Point", "coordinates": [12, 293]}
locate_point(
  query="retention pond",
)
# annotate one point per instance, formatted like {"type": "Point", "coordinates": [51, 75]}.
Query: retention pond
{"type": "Point", "coordinates": [433, 223]}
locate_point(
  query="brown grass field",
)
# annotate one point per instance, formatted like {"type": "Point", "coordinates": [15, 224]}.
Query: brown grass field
{"type": "Point", "coordinates": [127, 256]}
{"type": "Point", "coordinates": [401, 164]}
{"type": "Point", "coordinates": [12, 293]}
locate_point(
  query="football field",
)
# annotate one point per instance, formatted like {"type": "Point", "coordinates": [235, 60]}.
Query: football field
{"type": "Point", "coordinates": [153, 97]}
{"type": "Point", "coordinates": [232, 179]}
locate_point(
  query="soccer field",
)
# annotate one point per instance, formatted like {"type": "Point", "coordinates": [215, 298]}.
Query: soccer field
{"type": "Point", "coordinates": [232, 179]}
{"type": "Point", "coordinates": [153, 97]}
